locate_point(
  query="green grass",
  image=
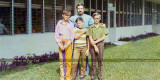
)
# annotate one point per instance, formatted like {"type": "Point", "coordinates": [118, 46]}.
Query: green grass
{"type": "Point", "coordinates": [138, 60]}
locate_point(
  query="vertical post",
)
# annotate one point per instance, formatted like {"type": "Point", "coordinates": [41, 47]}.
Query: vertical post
{"type": "Point", "coordinates": [102, 11]}
{"type": "Point", "coordinates": [64, 4]}
{"type": "Point", "coordinates": [119, 12]}
{"type": "Point", "coordinates": [143, 12]}
{"type": "Point", "coordinates": [54, 14]}
{"type": "Point", "coordinates": [123, 13]}
{"type": "Point", "coordinates": [29, 16]}
{"type": "Point", "coordinates": [96, 6]}
{"type": "Point", "coordinates": [43, 16]}
{"type": "Point", "coordinates": [127, 13]}
{"type": "Point", "coordinates": [89, 7]}
{"type": "Point", "coordinates": [12, 17]}
{"type": "Point", "coordinates": [114, 23]}
{"type": "Point", "coordinates": [130, 13]}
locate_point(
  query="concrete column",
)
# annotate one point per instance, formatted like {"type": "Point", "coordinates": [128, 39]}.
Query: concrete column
{"type": "Point", "coordinates": [29, 16]}
{"type": "Point", "coordinates": [143, 12]}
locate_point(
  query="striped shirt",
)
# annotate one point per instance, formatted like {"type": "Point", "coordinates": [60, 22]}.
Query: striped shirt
{"type": "Point", "coordinates": [82, 40]}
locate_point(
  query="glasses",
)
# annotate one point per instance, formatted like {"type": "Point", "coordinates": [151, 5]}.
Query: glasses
{"type": "Point", "coordinates": [97, 18]}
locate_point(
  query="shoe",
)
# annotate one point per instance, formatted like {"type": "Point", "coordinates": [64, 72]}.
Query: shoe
{"type": "Point", "coordinates": [99, 78]}
{"type": "Point", "coordinates": [92, 78]}
{"type": "Point", "coordinates": [73, 79]}
{"type": "Point", "coordinates": [81, 78]}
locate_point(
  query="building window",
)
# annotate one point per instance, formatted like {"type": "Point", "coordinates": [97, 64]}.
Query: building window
{"type": "Point", "coordinates": [37, 16]}
{"type": "Point", "coordinates": [148, 13]}
{"type": "Point", "coordinates": [5, 27]}
{"type": "Point", "coordinates": [20, 16]}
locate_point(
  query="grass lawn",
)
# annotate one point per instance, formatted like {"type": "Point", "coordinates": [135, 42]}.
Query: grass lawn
{"type": "Point", "coordinates": [138, 60]}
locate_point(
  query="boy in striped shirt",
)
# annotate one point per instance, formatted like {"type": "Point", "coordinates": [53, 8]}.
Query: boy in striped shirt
{"type": "Point", "coordinates": [81, 49]}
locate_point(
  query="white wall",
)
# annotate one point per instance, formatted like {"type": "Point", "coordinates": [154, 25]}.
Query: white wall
{"type": "Point", "coordinates": [22, 44]}
{"type": "Point", "coordinates": [129, 31]}
{"type": "Point", "coordinates": [41, 43]}
{"type": "Point", "coordinates": [156, 28]}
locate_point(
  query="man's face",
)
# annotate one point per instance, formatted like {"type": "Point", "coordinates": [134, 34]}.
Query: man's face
{"type": "Point", "coordinates": [65, 17]}
{"type": "Point", "coordinates": [97, 19]}
{"type": "Point", "coordinates": [80, 24]}
{"type": "Point", "coordinates": [80, 10]}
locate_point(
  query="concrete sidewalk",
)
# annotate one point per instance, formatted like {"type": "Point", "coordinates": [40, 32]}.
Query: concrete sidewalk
{"type": "Point", "coordinates": [120, 42]}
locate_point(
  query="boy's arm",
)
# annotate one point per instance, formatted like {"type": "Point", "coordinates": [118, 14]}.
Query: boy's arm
{"type": "Point", "coordinates": [94, 44]}
{"type": "Point", "coordinates": [57, 35]}
{"type": "Point", "coordinates": [71, 37]}
{"type": "Point", "coordinates": [101, 39]}
{"type": "Point", "coordinates": [78, 36]}
{"type": "Point", "coordinates": [87, 51]}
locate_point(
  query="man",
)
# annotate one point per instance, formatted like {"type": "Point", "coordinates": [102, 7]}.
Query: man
{"type": "Point", "coordinates": [88, 21]}
{"type": "Point", "coordinates": [3, 29]}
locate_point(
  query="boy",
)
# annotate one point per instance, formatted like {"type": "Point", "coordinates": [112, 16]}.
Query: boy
{"type": "Point", "coordinates": [80, 49]}
{"type": "Point", "coordinates": [97, 34]}
{"type": "Point", "coordinates": [64, 35]}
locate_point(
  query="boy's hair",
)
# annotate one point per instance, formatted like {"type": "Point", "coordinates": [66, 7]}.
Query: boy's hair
{"type": "Point", "coordinates": [79, 19]}
{"type": "Point", "coordinates": [96, 14]}
{"type": "Point", "coordinates": [80, 4]}
{"type": "Point", "coordinates": [67, 12]}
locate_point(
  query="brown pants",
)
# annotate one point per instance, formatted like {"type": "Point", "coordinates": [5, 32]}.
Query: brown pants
{"type": "Point", "coordinates": [98, 57]}
{"type": "Point", "coordinates": [79, 52]}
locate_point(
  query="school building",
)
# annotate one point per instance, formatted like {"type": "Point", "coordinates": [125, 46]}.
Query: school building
{"type": "Point", "coordinates": [31, 23]}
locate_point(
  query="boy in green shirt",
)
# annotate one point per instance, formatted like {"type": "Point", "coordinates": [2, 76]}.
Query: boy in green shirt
{"type": "Point", "coordinates": [97, 34]}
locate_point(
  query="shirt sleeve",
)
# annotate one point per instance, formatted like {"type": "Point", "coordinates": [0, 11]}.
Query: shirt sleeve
{"type": "Point", "coordinates": [73, 20]}
{"type": "Point", "coordinates": [71, 34]}
{"type": "Point", "coordinates": [105, 31]}
{"type": "Point", "coordinates": [57, 35]}
{"type": "Point", "coordinates": [5, 29]}
{"type": "Point", "coordinates": [91, 21]}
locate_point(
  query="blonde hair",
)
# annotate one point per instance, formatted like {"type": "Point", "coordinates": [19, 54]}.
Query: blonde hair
{"type": "Point", "coordinates": [67, 12]}
{"type": "Point", "coordinates": [96, 14]}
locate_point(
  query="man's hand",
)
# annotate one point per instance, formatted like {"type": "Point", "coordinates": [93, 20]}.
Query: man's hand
{"type": "Point", "coordinates": [96, 49]}
{"type": "Point", "coordinates": [87, 52]}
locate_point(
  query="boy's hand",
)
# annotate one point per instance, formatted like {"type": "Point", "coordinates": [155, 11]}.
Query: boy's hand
{"type": "Point", "coordinates": [96, 49]}
{"type": "Point", "coordinates": [66, 46]}
{"type": "Point", "coordinates": [61, 47]}
{"type": "Point", "coordinates": [87, 52]}
{"type": "Point", "coordinates": [85, 31]}
{"type": "Point", "coordinates": [94, 43]}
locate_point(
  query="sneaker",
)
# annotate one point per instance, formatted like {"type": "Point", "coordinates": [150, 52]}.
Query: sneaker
{"type": "Point", "coordinates": [81, 78]}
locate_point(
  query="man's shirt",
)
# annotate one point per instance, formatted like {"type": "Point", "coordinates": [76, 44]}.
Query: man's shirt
{"type": "Point", "coordinates": [88, 20]}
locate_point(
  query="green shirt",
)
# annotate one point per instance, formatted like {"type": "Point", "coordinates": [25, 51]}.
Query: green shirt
{"type": "Point", "coordinates": [97, 32]}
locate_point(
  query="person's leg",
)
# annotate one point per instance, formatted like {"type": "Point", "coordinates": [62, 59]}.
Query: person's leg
{"type": "Point", "coordinates": [87, 67]}
{"type": "Point", "coordinates": [68, 59]}
{"type": "Point", "coordinates": [93, 59]}
{"type": "Point", "coordinates": [83, 61]}
{"type": "Point", "coordinates": [62, 64]}
{"type": "Point", "coordinates": [100, 59]}
{"type": "Point", "coordinates": [76, 55]}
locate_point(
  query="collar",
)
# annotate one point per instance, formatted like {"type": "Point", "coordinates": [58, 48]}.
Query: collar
{"type": "Point", "coordinates": [100, 25]}
{"type": "Point", "coordinates": [80, 15]}
{"type": "Point", "coordinates": [65, 23]}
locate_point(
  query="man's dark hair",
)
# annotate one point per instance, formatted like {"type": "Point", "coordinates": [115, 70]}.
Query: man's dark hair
{"type": "Point", "coordinates": [80, 4]}
{"type": "Point", "coordinates": [79, 19]}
